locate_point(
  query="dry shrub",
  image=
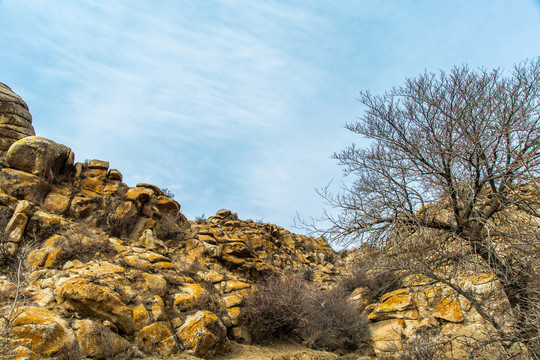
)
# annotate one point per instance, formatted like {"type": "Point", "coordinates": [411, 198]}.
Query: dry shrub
{"type": "Point", "coordinates": [275, 308]}
{"type": "Point", "coordinates": [70, 351]}
{"type": "Point", "coordinates": [83, 246]}
{"type": "Point", "coordinates": [118, 226]}
{"type": "Point", "coordinates": [169, 227]}
{"type": "Point", "coordinates": [423, 345]}
{"type": "Point", "coordinates": [290, 306]}
{"type": "Point", "coordinates": [7, 348]}
{"type": "Point", "coordinates": [331, 322]}
{"type": "Point", "coordinates": [375, 282]}
{"type": "Point", "coordinates": [5, 216]}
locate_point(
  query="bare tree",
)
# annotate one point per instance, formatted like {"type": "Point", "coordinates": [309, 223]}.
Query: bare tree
{"type": "Point", "coordinates": [453, 157]}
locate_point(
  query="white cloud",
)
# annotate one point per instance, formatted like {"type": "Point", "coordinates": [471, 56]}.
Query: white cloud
{"type": "Point", "coordinates": [233, 103]}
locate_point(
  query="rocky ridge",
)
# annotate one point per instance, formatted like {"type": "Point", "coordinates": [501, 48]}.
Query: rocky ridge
{"type": "Point", "coordinates": [93, 268]}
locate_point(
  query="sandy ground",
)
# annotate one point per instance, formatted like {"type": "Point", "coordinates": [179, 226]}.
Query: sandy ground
{"type": "Point", "coordinates": [283, 350]}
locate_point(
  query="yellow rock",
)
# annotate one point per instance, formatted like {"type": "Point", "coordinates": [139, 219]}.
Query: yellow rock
{"type": "Point", "coordinates": [191, 295]}
{"type": "Point", "coordinates": [44, 330]}
{"type": "Point", "coordinates": [155, 284]}
{"type": "Point", "coordinates": [93, 184]}
{"type": "Point", "coordinates": [50, 255]}
{"type": "Point", "coordinates": [83, 206]}
{"type": "Point", "coordinates": [23, 185]}
{"type": "Point", "coordinates": [24, 353]}
{"type": "Point", "coordinates": [482, 278]}
{"type": "Point", "coordinates": [158, 309]}
{"type": "Point", "coordinates": [164, 265]}
{"type": "Point", "coordinates": [140, 317]}
{"type": "Point", "coordinates": [153, 257]}
{"type": "Point", "coordinates": [385, 336]}
{"type": "Point", "coordinates": [97, 341]}
{"type": "Point", "coordinates": [232, 300]}
{"type": "Point", "coordinates": [100, 269]}
{"type": "Point", "coordinates": [449, 310]}
{"type": "Point", "coordinates": [233, 260]}
{"type": "Point", "coordinates": [15, 227]}
{"type": "Point", "coordinates": [139, 195]}
{"type": "Point", "coordinates": [212, 276]}
{"type": "Point", "coordinates": [166, 205]}
{"type": "Point", "coordinates": [44, 219]}
{"type": "Point", "coordinates": [7, 200]}
{"type": "Point", "coordinates": [56, 203]}
{"type": "Point", "coordinates": [234, 314]}
{"type": "Point", "coordinates": [157, 339]}
{"type": "Point", "coordinates": [396, 305]}
{"type": "Point", "coordinates": [79, 295]}
{"type": "Point", "coordinates": [234, 285]}
{"type": "Point", "coordinates": [204, 335]}
{"type": "Point", "coordinates": [137, 263]}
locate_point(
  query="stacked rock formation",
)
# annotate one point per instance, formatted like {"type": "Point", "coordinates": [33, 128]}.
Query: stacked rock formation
{"type": "Point", "coordinates": [15, 119]}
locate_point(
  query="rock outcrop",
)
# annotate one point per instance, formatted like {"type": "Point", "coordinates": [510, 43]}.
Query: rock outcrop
{"type": "Point", "coordinates": [15, 119]}
{"type": "Point", "coordinates": [92, 268]}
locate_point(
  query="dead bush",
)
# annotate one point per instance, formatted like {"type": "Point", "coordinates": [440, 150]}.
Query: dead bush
{"type": "Point", "coordinates": [169, 227]}
{"type": "Point", "coordinates": [423, 345]}
{"type": "Point", "coordinates": [290, 306]}
{"type": "Point", "coordinates": [375, 282]}
{"type": "Point", "coordinates": [275, 308]}
{"type": "Point", "coordinates": [5, 216]}
{"type": "Point", "coordinates": [70, 351]}
{"type": "Point", "coordinates": [331, 322]}
{"type": "Point", "coordinates": [118, 226]}
{"type": "Point", "coordinates": [83, 245]}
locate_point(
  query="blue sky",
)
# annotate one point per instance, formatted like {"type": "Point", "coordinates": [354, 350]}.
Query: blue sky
{"type": "Point", "coordinates": [236, 104]}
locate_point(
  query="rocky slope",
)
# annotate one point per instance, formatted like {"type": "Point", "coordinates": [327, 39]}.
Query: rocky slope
{"type": "Point", "coordinates": [95, 269]}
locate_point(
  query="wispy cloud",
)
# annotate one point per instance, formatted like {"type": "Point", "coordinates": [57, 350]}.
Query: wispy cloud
{"type": "Point", "coordinates": [232, 103]}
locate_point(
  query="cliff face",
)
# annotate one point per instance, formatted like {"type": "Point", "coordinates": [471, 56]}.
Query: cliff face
{"type": "Point", "coordinates": [93, 268]}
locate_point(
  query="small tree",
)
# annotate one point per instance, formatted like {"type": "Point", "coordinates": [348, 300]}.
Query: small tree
{"type": "Point", "coordinates": [454, 157]}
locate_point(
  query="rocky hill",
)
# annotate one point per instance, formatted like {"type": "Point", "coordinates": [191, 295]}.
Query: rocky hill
{"type": "Point", "coordinates": [95, 269]}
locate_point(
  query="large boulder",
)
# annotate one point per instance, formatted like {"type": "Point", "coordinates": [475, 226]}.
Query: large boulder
{"type": "Point", "coordinates": [45, 332]}
{"type": "Point", "coordinates": [40, 156]}
{"type": "Point", "coordinates": [15, 119]}
{"type": "Point", "coordinates": [77, 294]}
{"type": "Point", "coordinates": [204, 335]}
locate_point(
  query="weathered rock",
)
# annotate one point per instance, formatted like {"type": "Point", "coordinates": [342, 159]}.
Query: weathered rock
{"type": "Point", "coordinates": [192, 294]}
{"type": "Point", "coordinates": [81, 206]}
{"type": "Point", "coordinates": [159, 312]}
{"type": "Point", "coordinates": [57, 201]}
{"type": "Point", "coordinates": [140, 317]}
{"type": "Point", "coordinates": [44, 330]}
{"type": "Point", "coordinates": [385, 336]}
{"type": "Point", "coordinates": [89, 299]}
{"type": "Point", "coordinates": [139, 195]}
{"type": "Point", "coordinates": [40, 156]}
{"type": "Point", "coordinates": [15, 119]}
{"type": "Point", "coordinates": [23, 185]}
{"type": "Point", "coordinates": [154, 284]}
{"type": "Point", "coordinates": [167, 205]}
{"type": "Point", "coordinates": [114, 174]}
{"type": "Point", "coordinates": [449, 310]}
{"type": "Point", "coordinates": [98, 341]}
{"type": "Point", "coordinates": [50, 253]}
{"type": "Point", "coordinates": [17, 224]}
{"type": "Point", "coordinates": [98, 164]}
{"type": "Point", "coordinates": [157, 339]}
{"type": "Point", "coordinates": [204, 335]}
{"type": "Point", "coordinates": [396, 305]}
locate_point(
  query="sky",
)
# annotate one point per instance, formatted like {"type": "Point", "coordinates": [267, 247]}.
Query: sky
{"type": "Point", "coordinates": [237, 104]}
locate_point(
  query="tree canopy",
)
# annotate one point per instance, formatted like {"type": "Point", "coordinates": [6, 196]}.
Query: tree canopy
{"type": "Point", "coordinates": [454, 156]}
